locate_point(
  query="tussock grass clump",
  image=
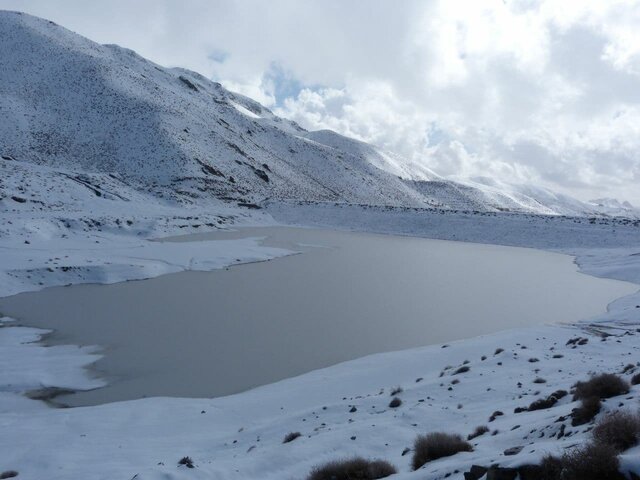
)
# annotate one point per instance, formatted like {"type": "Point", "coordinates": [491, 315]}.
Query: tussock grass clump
{"type": "Point", "coordinates": [550, 468]}
{"type": "Point", "coordinates": [480, 430]}
{"type": "Point", "coordinates": [540, 404]}
{"type": "Point", "coordinates": [544, 403]}
{"type": "Point", "coordinates": [351, 469]}
{"type": "Point", "coordinates": [436, 445]}
{"type": "Point", "coordinates": [620, 430]}
{"type": "Point", "coordinates": [605, 385]}
{"type": "Point", "coordinates": [591, 462]}
{"type": "Point", "coordinates": [588, 409]}
{"type": "Point", "coordinates": [291, 436]}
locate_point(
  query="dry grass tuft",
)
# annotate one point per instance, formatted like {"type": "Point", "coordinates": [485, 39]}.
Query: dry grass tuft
{"type": "Point", "coordinates": [437, 445]}
{"type": "Point", "coordinates": [352, 469]}
{"type": "Point", "coordinates": [591, 462]}
{"type": "Point", "coordinates": [480, 430]}
{"type": "Point", "coordinates": [605, 385]}
{"type": "Point", "coordinates": [620, 430]}
{"type": "Point", "coordinates": [588, 409]}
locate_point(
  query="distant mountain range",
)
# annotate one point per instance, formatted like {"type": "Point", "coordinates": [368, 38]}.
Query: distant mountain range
{"type": "Point", "coordinates": [79, 118]}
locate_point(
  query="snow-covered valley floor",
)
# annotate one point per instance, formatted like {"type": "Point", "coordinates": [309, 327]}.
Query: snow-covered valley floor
{"type": "Point", "coordinates": [340, 411]}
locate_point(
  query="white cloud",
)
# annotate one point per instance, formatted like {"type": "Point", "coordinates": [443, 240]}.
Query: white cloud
{"type": "Point", "coordinates": [542, 91]}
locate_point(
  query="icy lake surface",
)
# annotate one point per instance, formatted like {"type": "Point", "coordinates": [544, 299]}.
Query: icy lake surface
{"type": "Point", "coordinates": [203, 334]}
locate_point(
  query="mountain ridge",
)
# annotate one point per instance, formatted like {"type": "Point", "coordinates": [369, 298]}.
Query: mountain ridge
{"type": "Point", "coordinates": [174, 136]}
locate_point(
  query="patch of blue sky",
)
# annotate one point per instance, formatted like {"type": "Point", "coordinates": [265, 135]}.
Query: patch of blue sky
{"type": "Point", "coordinates": [218, 56]}
{"type": "Point", "coordinates": [436, 136]}
{"type": "Point", "coordinates": [284, 84]}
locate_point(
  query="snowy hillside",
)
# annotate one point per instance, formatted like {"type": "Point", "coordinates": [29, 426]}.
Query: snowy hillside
{"type": "Point", "coordinates": [616, 207]}
{"type": "Point", "coordinates": [69, 103]}
{"type": "Point", "coordinates": [99, 118]}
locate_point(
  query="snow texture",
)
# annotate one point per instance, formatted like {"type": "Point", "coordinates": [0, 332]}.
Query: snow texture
{"type": "Point", "coordinates": [102, 151]}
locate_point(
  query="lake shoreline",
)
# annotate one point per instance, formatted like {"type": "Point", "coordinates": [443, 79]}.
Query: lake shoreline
{"type": "Point", "coordinates": [265, 237]}
{"type": "Point", "coordinates": [240, 436]}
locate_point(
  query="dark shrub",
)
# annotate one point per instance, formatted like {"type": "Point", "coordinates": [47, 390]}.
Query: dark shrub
{"type": "Point", "coordinates": [635, 380]}
{"type": "Point", "coordinates": [395, 402]}
{"type": "Point", "coordinates": [539, 380]}
{"type": "Point", "coordinates": [481, 430]}
{"type": "Point", "coordinates": [352, 469]}
{"type": "Point", "coordinates": [291, 436]}
{"type": "Point", "coordinates": [588, 409]}
{"type": "Point", "coordinates": [540, 404]}
{"type": "Point", "coordinates": [463, 369]}
{"type": "Point", "coordinates": [437, 445]}
{"type": "Point", "coordinates": [550, 468]}
{"type": "Point", "coordinates": [498, 351]}
{"type": "Point", "coordinates": [605, 385]}
{"type": "Point", "coordinates": [591, 462]}
{"type": "Point", "coordinates": [396, 391]}
{"type": "Point", "coordinates": [620, 430]}
{"type": "Point", "coordinates": [543, 403]}
{"type": "Point", "coordinates": [186, 461]}
{"type": "Point", "coordinates": [8, 474]}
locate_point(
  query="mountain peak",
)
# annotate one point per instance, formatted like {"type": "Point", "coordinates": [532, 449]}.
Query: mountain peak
{"type": "Point", "coordinates": [81, 108]}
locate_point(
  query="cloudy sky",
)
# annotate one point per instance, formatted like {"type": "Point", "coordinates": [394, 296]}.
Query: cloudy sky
{"type": "Point", "coordinates": [545, 92]}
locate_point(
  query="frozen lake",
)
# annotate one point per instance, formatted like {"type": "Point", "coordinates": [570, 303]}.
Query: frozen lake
{"type": "Point", "coordinates": [203, 334]}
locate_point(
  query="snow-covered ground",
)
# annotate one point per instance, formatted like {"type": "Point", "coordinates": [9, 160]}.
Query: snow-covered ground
{"type": "Point", "coordinates": [60, 256]}
{"type": "Point", "coordinates": [241, 436]}
{"type": "Point", "coordinates": [102, 151]}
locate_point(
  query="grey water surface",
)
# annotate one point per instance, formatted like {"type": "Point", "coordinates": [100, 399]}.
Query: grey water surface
{"type": "Point", "coordinates": [346, 295]}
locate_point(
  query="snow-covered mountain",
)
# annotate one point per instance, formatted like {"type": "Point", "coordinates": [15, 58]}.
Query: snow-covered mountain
{"type": "Point", "coordinates": [82, 120]}
{"type": "Point", "coordinates": [615, 207]}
